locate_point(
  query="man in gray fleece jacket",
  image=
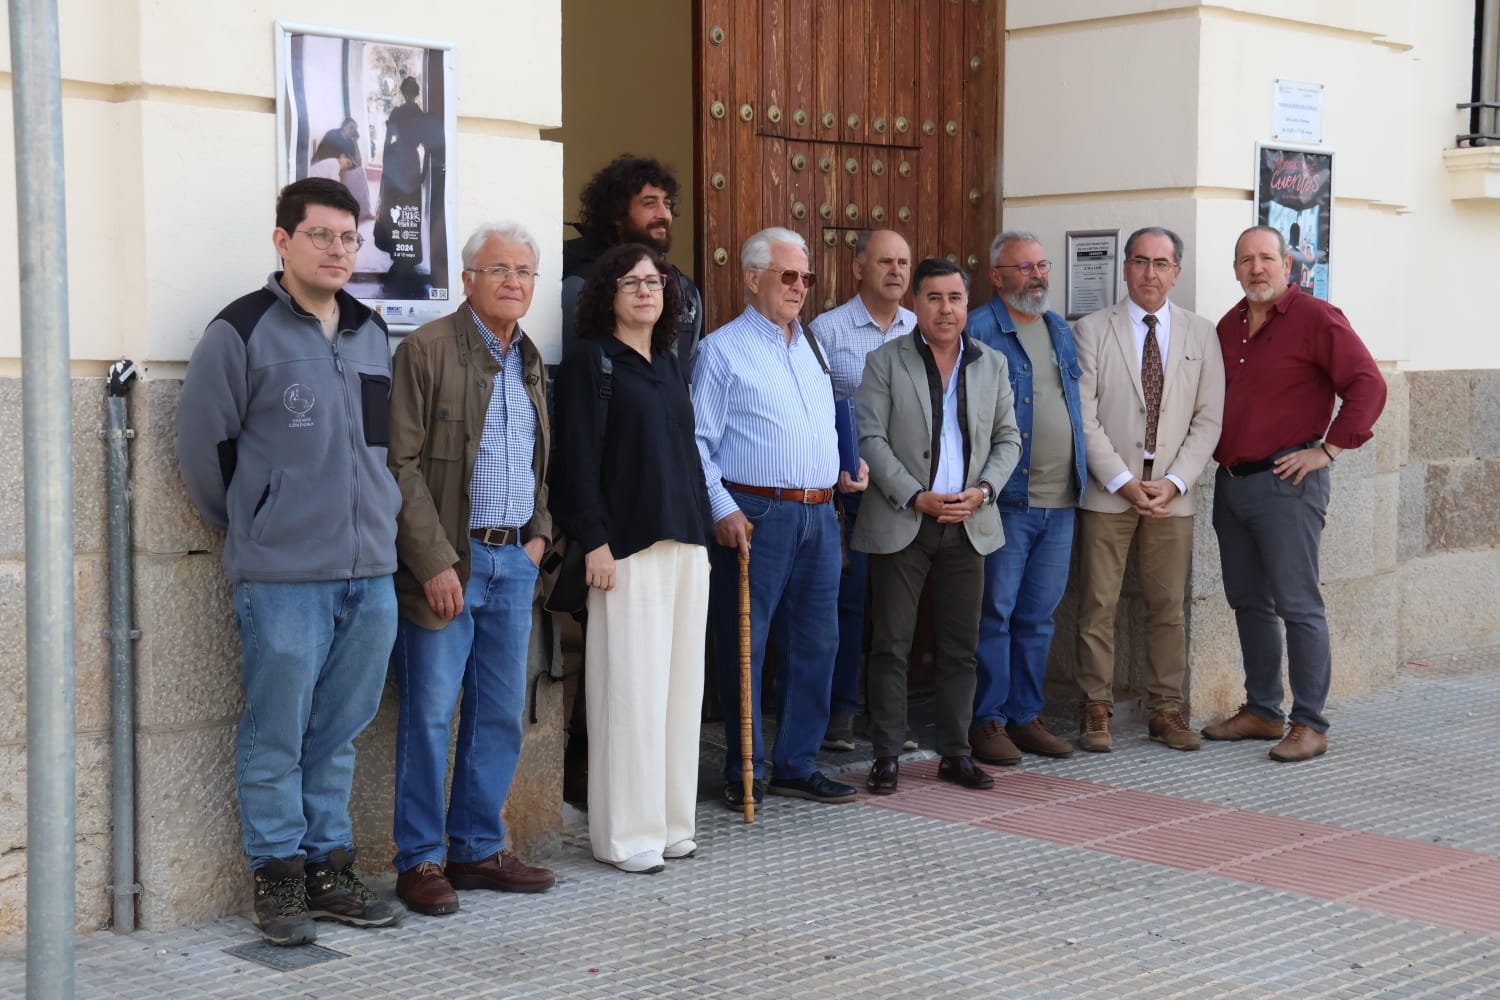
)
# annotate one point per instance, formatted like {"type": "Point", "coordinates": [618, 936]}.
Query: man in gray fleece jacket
{"type": "Point", "coordinates": [281, 437]}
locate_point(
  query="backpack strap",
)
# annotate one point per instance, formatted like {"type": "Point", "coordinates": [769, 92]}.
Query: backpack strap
{"type": "Point", "coordinates": [812, 342]}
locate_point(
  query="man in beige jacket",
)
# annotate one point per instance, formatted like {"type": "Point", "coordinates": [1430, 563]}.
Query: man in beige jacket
{"type": "Point", "coordinates": [1152, 398]}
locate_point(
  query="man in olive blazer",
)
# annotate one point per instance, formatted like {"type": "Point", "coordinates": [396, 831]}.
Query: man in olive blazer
{"type": "Point", "coordinates": [937, 427]}
{"type": "Point", "coordinates": [1140, 473]}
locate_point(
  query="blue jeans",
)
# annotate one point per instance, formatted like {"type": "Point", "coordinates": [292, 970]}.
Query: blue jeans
{"type": "Point", "coordinates": [1023, 582]}
{"type": "Point", "coordinates": [313, 668]}
{"type": "Point", "coordinates": [481, 652]}
{"type": "Point", "coordinates": [849, 664]}
{"type": "Point", "coordinates": [794, 578]}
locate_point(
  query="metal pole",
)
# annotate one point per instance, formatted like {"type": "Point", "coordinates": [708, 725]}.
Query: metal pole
{"type": "Point", "coordinates": [1489, 67]}
{"type": "Point", "coordinates": [121, 661]}
{"type": "Point", "coordinates": [36, 92]}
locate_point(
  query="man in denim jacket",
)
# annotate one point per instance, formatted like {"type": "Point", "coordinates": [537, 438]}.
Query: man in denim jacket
{"type": "Point", "coordinates": [1024, 580]}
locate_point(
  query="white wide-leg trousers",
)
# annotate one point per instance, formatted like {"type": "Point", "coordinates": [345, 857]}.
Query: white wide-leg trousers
{"type": "Point", "coordinates": [644, 656]}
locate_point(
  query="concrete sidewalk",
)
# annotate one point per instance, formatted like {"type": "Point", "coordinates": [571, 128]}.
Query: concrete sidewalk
{"type": "Point", "coordinates": [1374, 871]}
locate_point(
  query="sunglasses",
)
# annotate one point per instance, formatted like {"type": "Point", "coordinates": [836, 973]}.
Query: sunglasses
{"type": "Point", "coordinates": [789, 276]}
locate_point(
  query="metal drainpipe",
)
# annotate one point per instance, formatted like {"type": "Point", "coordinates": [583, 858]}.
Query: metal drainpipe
{"type": "Point", "coordinates": [121, 634]}
{"type": "Point", "coordinates": [41, 234]}
{"type": "Point", "coordinates": [1489, 67]}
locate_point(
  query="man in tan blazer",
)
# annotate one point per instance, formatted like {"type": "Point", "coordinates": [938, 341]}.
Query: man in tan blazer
{"type": "Point", "coordinates": [1152, 397]}
{"type": "Point", "coordinates": [937, 426]}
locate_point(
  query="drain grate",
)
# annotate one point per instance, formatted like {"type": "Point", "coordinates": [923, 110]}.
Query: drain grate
{"type": "Point", "coordinates": [284, 959]}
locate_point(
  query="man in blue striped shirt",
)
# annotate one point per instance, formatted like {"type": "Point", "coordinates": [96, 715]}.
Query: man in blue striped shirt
{"type": "Point", "coordinates": [763, 407]}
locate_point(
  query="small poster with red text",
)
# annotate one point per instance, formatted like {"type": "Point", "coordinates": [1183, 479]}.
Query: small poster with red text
{"type": "Point", "coordinates": [1294, 195]}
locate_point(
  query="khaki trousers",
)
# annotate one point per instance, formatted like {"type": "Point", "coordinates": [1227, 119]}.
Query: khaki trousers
{"type": "Point", "coordinates": [644, 648]}
{"type": "Point", "coordinates": [1165, 551]}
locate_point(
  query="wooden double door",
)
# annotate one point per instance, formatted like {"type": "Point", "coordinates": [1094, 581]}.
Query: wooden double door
{"type": "Point", "coordinates": [830, 117]}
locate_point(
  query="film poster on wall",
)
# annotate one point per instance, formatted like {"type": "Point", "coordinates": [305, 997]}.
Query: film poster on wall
{"type": "Point", "coordinates": [1294, 194]}
{"type": "Point", "coordinates": [378, 114]}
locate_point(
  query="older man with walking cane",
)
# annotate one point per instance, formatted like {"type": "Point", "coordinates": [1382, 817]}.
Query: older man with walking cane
{"type": "Point", "coordinates": [763, 407]}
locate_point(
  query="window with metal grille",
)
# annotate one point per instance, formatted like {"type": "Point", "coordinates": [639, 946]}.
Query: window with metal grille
{"type": "Point", "coordinates": [1484, 105]}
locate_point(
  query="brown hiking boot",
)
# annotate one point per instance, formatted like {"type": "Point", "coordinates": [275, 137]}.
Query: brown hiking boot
{"type": "Point", "coordinates": [1034, 737]}
{"type": "Point", "coordinates": [1172, 729]}
{"type": "Point", "coordinates": [1245, 725]}
{"type": "Point", "coordinates": [990, 744]}
{"type": "Point", "coordinates": [1302, 743]}
{"type": "Point", "coordinates": [1093, 728]}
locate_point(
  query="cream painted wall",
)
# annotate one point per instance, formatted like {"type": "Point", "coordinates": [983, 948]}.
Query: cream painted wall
{"type": "Point", "coordinates": [169, 144]}
{"type": "Point", "coordinates": [1193, 80]}
{"type": "Point", "coordinates": [647, 47]}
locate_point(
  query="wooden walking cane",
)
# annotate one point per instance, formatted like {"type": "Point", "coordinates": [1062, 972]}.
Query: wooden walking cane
{"type": "Point", "coordinates": [747, 701]}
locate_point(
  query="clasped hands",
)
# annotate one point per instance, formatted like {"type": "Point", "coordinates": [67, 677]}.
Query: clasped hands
{"type": "Point", "coordinates": [1151, 497]}
{"type": "Point", "coordinates": [949, 508]}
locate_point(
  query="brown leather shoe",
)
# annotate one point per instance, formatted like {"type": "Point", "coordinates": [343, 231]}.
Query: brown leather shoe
{"type": "Point", "coordinates": [1033, 737]}
{"type": "Point", "coordinates": [990, 744]}
{"type": "Point", "coordinates": [1172, 729]}
{"type": "Point", "coordinates": [1093, 728]}
{"type": "Point", "coordinates": [501, 871]}
{"type": "Point", "coordinates": [424, 890]}
{"type": "Point", "coordinates": [883, 775]}
{"type": "Point", "coordinates": [1302, 743]}
{"type": "Point", "coordinates": [962, 771]}
{"type": "Point", "coordinates": [1245, 725]}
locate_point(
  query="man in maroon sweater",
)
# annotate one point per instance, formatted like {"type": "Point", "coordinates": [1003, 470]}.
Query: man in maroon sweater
{"type": "Point", "coordinates": [1286, 356]}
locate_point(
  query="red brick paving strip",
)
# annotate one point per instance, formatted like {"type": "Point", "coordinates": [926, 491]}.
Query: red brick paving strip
{"type": "Point", "coordinates": [1403, 878]}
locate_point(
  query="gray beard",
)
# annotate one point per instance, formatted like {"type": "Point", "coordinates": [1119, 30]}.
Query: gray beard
{"type": "Point", "coordinates": [1032, 303]}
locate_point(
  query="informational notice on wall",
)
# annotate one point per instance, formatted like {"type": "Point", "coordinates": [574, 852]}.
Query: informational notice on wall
{"type": "Point", "coordinates": [1297, 111]}
{"type": "Point", "coordinates": [1093, 270]}
{"type": "Point", "coordinates": [378, 115]}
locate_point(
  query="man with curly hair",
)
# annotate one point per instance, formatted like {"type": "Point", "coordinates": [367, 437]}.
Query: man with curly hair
{"type": "Point", "coordinates": [630, 200]}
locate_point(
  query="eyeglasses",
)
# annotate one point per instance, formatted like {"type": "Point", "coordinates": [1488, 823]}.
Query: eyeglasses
{"type": "Point", "coordinates": [630, 284]}
{"type": "Point", "coordinates": [504, 272]}
{"type": "Point", "coordinates": [323, 239]}
{"type": "Point", "coordinates": [1028, 268]}
{"type": "Point", "coordinates": [789, 276]}
{"type": "Point", "coordinates": [1158, 264]}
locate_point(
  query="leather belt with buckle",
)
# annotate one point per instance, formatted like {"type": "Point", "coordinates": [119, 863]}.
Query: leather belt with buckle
{"type": "Point", "coordinates": [496, 536]}
{"type": "Point", "coordinates": [783, 493]}
{"type": "Point", "coordinates": [1251, 468]}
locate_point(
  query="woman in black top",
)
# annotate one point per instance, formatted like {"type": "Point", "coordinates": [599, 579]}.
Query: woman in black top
{"type": "Point", "coordinates": [628, 486]}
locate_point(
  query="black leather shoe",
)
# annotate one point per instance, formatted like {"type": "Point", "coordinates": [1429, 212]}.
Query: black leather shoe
{"type": "Point", "coordinates": [734, 794]}
{"type": "Point", "coordinates": [962, 771]}
{"type": "Point", "coordinates": [882, 780]}
{"type": "Point", "coordinates": [815, 786]}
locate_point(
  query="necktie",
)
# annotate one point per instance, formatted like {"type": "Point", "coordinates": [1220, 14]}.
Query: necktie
{"type": "Point", "coordinates": [1151, 381]}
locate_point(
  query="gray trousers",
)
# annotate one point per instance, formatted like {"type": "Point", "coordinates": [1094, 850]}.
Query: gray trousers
{"type": "Point", "coordinates": [1269, 532]}
{"type": "Point", "coordinates": [942, 554]}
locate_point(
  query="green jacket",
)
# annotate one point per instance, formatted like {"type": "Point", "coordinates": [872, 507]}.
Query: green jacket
{"type": "Point", "coordinates": [442, 376]}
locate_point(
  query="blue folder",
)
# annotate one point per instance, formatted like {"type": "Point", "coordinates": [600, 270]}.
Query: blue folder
{"type": "Point", "coordinates": [843, 421]}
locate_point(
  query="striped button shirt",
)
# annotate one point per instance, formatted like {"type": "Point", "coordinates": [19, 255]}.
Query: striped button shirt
{"type": "Point", "coordinates": [763, 410]}
{"type": "Point", "coordinates": [502, 493]}
{"type": "Point", "coordinates": [847, 333]}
